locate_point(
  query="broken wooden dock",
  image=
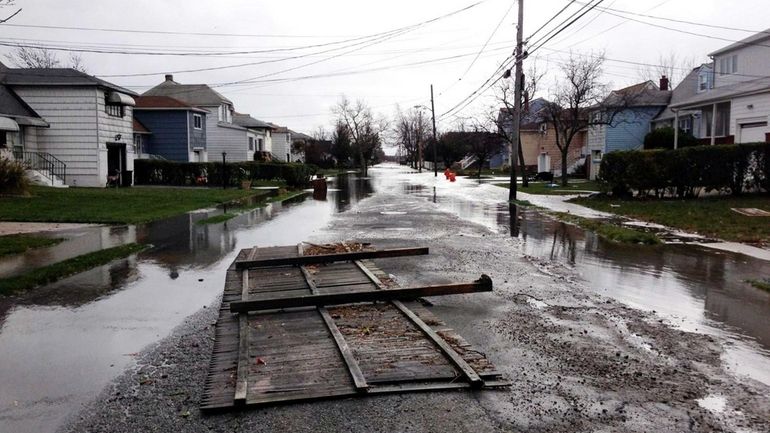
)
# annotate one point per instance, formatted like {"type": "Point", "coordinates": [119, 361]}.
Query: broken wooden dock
{"type": "Point", "coordinates": [289, 330]}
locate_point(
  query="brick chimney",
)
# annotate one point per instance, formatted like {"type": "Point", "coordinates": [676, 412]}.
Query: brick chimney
{"type": "Point", "coordinates": [170, 77]}
{"type": "Point", "coordinates": [663, 82]}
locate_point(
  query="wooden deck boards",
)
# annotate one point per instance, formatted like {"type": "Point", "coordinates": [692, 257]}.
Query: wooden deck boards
{"type": "Point", "coordinates": [313, 353]}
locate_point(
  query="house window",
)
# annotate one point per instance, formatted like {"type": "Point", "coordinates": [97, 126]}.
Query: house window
{"type": "Point", "coordinates": [596, 155]}
{"type": "Point", "coordinates": [137, 144]}
{"type": "Point", "coordinates": [221, 113]}
{"type": "Point", "coordinates": [728, 65]}
{"type": "Point", "coordinates": [685, 125]}
{"type": "Point", "coordinates": [261, 144]}
{"type": "Point", "coordinates": [251, 143]}
{"type": "Point", "coordinates": [197, 121]}
{"type": "Point", "coordinates": [703, 82]}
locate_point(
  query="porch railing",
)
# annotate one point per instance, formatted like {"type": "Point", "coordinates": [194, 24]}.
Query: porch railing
{"type": "Point", "coordinates": [44, 162]}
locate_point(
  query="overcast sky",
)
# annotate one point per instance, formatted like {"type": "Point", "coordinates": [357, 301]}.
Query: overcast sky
{"type": "Point", "coordinates": [396, 69]}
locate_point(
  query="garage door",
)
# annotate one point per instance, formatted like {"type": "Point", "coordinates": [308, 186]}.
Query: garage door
{"type": "Point", "coordinates": [753, 132]}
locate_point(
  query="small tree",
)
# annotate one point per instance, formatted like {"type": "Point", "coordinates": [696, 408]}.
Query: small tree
{"type": "Point", "coordinates": [25, 57]}
{"type": "Point", "coordinates": [412, 133]}
{"type": "Point", "coordinates": [364, 129]}
{"type": "Point", "coordinates": [341, 146]}
{"type": "Point", "coordinates": [578, 103]}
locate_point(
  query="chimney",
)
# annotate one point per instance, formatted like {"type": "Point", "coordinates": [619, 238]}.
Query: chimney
{"type": "Point", "coordinates": [169, 77]}
{"type": "Point", "coordinates": [664, 83]}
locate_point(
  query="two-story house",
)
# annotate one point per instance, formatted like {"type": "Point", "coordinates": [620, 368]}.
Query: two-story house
{"type": "Point", "coordinates": [698, 81]}
{"type": "Point", "coordinates": [223, 136]}
{"type": "Point", "coordinates": [259, 136]}
{"type": "Point", "coordinates": [624, 119]}
{"type": "Point", "coordinates": [89, 132]}
{"type": "Point", "coordinates": [736, 106]}
{"type": "Point", "coordinates": [176, 130]}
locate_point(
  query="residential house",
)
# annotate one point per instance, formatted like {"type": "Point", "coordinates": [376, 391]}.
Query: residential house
{"type": "Point", "coordinates": [18, 123]}
{"type": "Point", "coordinates": [259, 135]}
{"type": "Point", "coordinates": [698, 81]}
{"type": "Point", "coordinates": [538, 141]}
{"type": "Point", "coordinates": [628, 113]}
{"type": "Point", "coordinates": [736, 107]}
{"type": "Point", "coordinates": [177, 130]}
{"type": "Point", "coordinates": [299, 141]}
{"type": "Point", "coordinates": [89, 133]}
{"type": "Point", "coordinates": [224, 138]}
{"type": "Point", "coordinates": [281, 143]}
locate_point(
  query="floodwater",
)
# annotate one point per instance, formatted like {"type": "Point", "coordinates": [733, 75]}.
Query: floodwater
{"type": "Point", "coordinates": [60, 345]}
{"type": "Point", "coordinates": [691, 287]}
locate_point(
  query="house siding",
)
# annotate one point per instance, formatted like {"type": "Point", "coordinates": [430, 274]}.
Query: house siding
{"type": "Point", "coordinates": [72, 136]}
{"type": "Point", "coordinates": [197, 136]}
{"type": "Point", "coordinates": [629, 129]}
{"type": "Point", "coordinates": [108, 128]}
{"type": "Point", "coordinates": [753, 62]}
{"type": "Point", "coordinates": [281, 145]}
{"type": "Point", "coordinates": [169, 133]}
{"type": "Point", "coordinates": [220, 138]}
{"type": "Point", "coordinates": [740, 113]}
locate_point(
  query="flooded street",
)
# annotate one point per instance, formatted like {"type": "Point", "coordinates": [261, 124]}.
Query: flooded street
{"type": "Point", "coordinates": [60, 345]}
{"type": "Point", "coordinates": [691, 287]}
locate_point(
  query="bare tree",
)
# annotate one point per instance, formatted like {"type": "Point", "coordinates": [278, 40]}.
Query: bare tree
{"type": "Point", "coordinates": [26, 57]}
{"type": "Point", "coordinates": [578, 103]}
{"type": "Point", "coordinates": [365, 130]}
{"type": "Point", "coordinates": [671, 65]}
{"type": "Point", "coordinates": [411, 131]}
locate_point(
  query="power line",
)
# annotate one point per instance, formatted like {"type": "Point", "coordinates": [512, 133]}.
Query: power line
{"type": "Point", "coordinates": [549, 35]}
{"type": "Point", "coordinates": [497, 27]}
{"type": "Point", "coordinates": [550, 20]}
{"type": "Point", "coordinates": [532, 50]}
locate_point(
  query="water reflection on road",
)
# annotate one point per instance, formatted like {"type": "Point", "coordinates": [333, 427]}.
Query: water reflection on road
{"type": "Point", "coordinates": [694, 288]}
{"type": "Point", "coordinates": [61, 344]}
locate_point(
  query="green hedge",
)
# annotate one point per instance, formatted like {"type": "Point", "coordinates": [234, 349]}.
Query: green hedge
{"type": "Point", "coordinates": [172, 173]}
{"type": "Point", "coordinates": [686, 172]}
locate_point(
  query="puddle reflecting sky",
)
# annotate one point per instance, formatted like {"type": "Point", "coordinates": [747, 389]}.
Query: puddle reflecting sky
{"type": "Point", "coordinates": [61, 344]}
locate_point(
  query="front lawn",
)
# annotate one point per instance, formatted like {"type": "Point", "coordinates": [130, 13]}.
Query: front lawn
{"type": "Point", "coordinates": [17, 244]}
{"type": "Point", "coordinates": [710, 216]}
{"type": "Point", "coordinates": [544, 188]}
{"type": "Point", "coordinates": [111, 205]}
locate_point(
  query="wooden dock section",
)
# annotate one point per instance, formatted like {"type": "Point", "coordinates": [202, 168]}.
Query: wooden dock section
{"type": "Point", "coordinates": [268, 356]}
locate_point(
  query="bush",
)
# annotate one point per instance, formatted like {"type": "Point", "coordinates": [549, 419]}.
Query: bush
{"type": "Point", "coordinates": [685, 172]}
{"type": "Point", "coordinates": [663, 138]}
{"type": "Point", "coordinates": [172, 173]}
{"type": "Point", "coordinates": [13, 179]}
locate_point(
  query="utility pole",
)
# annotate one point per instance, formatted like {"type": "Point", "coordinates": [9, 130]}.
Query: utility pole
{"type": "Point", "coordinates": [435, 142]}
{"type": "Point", "coordinates": [519, 56]}
{"type": "Point", "coordinates": [419, 143]}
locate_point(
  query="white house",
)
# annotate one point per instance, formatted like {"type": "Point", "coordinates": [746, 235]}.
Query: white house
{"type": "Point", "coordinates": [223, 135]}
{"type": "Point", "coordinates": [258, 133]}
{"type": "Point", "coordinates": [78, 129]}
{"type": "Point", "coordinates": [735, 108]}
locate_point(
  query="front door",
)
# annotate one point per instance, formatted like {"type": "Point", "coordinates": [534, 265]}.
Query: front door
{"type": "Point", "coordinates": [116, 162]}
{"type": "Point", "coordinates": [543, 163]}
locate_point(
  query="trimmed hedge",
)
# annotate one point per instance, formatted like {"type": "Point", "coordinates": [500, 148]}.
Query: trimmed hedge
{"type": "Point", "coordinates": [686, 172]}
{"type": "Point", "coordinates": [172, 173]}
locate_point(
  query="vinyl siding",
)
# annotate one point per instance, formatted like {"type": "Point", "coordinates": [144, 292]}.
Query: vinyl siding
{"type": "Point", "coordinates": [109, 127]}
{"type": "Point", "coordinates": [169, 133]}
{"type": "Point", "coordinates": [629, 129]}
{"type": "Point", "coordinates": [197, 136]}
{"type": "Point", "coordinates": [225, 139]}
{"type": "Point", "coordinates": [72, 136]}
{"type": "Point", "coordinates": [753, 62]}
{"type": "Point", "coordinates": [280, 145]}
{"type": "Point", "coordinates": [740, 113]}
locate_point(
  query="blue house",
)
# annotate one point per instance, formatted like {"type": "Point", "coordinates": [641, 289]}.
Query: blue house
{"type": "Point", "coordinates": [629, 113]}
{"type": "Point", "coordinates": [176, 130]}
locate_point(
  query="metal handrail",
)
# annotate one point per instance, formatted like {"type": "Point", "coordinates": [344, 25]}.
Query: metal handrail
{"type": "Point", "coordinates": [43, 161]}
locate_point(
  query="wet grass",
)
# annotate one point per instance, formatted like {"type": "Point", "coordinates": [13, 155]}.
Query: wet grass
{"type": "Point", "coordinates": [760, 284]}
{"type": "Point", "coordinates": [543, 188]}
{"type": "Point", "coordinates": [610, 231]}
{"type": "Point", "coordinates": [112, 205]}
{"type": "Point", "coordinates": [216, 219]}
{"type": "Point", "coordinates": [17, 244]}
{"type": "Point", "coordinates": [711, 216]}
{"type": "Point", "coordinates": [66, 268]}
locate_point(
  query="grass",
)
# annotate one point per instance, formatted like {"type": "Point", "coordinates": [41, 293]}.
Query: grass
{"type": "Point", "coordinates": [542, 188]}
{"type": "Point", "coordinates": [760, 284]}
{"type": "Point", "coordinates": [609, 231]}
{"type": "Point", "coordinates": [75, 265]}
{"type": "Point", "coordinates": [17, 244]}
{"type": "Point", "coordinates": [216, 219]}
{"type": "Point", "coordinates": [112, 205]}
{"type": "Point", "coordinates": [709, 216]}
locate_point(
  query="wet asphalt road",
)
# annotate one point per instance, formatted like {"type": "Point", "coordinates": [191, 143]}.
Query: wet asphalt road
{"type": "Point", "coordinates": [578, 361]}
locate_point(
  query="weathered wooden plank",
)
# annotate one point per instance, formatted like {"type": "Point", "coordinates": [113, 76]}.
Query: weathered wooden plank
{"type": "Point", "coordinates": [330, 258]}
{"type": "Point", "coordinates": [373, 278]}
{"type": "Point", "coordinates": [484, 284]}
{"type": "Point", "coordinates": [241, 381]}
{"type": "Point", "coordinates": [469, 373]}
{"type": "Point", "coordinates": [355, 371]}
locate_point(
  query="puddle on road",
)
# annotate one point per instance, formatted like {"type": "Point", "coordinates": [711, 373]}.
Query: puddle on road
{"type": "Point", "coordinates": [713, 403]}
{"type": "Point", "coordinates": [61, 344]}
{"type": "Point", "coordinates": [693, 288]}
